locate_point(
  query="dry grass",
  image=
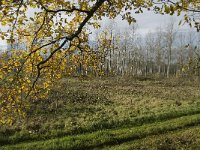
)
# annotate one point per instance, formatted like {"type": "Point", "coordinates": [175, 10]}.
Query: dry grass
{"type": "Point", "coordinates": [78, 106]}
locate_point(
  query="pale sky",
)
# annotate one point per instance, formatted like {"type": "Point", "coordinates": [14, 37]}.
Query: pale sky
{"type": "Point", "coordinates": [148, 21]}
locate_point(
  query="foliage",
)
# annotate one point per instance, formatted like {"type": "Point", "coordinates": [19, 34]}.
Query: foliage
{"type": "Point", "coordinates": [18, 82]}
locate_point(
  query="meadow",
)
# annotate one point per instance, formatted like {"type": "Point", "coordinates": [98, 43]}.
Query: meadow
{"type": "Point", "coordinates": [110, 113]}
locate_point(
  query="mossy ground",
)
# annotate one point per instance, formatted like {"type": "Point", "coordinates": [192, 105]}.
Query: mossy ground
{"type": "Point", "coordinates": [111, 113]}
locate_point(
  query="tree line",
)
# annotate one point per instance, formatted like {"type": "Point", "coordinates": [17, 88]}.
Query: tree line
{"type": "Point", "coordinates": [166, 52]}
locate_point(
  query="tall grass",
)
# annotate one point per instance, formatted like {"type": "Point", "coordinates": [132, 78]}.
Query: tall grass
{"type": "Point", "coordinates": [110, 136]}
{"type": "Point", "coordinates": [25, 135]}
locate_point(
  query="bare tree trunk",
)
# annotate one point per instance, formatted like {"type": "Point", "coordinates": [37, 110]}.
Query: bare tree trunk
{"type": "Point", "coordinates": [170, 34]}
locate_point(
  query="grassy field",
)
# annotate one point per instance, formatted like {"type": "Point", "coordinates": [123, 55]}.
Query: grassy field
{"type": "Point", "coordinates": [111, 113]}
